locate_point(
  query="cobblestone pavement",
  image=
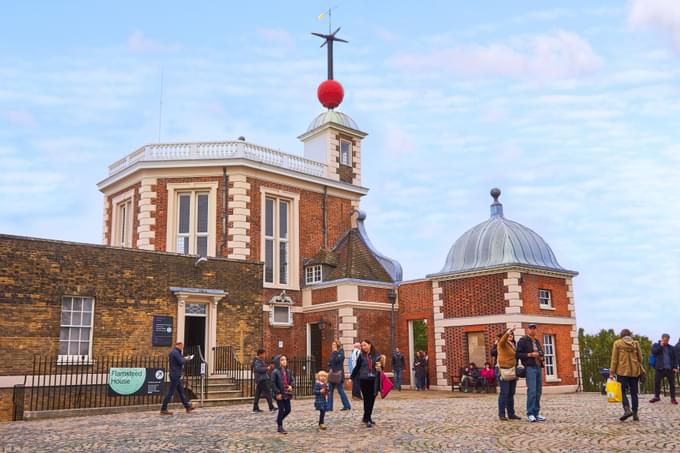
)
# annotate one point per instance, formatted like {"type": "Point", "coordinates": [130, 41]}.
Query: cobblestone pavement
{"type": "Point", "coordinates": [405, 422]}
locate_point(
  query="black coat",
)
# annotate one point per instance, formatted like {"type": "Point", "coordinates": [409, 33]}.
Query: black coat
{"type": "Point", "coordinates": [277, 382]}
{"type": "Point", "coordinates": [397, 361]}
{"type": "Point", "coordinates": [524, 347]}
{"type": "Point", "coordinates": [176, 360]}
{"type": "Point", "coordinates": [657, 351]}
{"type": "Point", "coordinates": [260, 369]}
{"type": "Point", "coordinates": [357, 368]}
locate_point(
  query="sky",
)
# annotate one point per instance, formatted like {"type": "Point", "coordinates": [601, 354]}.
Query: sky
{"type": "Point", "coordinates": [570, 107]}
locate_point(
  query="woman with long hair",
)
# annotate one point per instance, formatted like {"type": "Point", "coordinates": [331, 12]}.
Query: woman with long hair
{"type": "Point", "coordinates": [282, 386]}
{"type": "Point", "coordinates": [336, 364]}
{"type": "Point", "coordinates": [507, 375]}
{"type": "Point", "coordinates": [367, 370]}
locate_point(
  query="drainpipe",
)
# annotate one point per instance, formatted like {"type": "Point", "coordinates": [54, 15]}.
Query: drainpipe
{"type": "Point", "coordinates": [225, 184]}
{"type": "Point", "coordinates": [325, 217]}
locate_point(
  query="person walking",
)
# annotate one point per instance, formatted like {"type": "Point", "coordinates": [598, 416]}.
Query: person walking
{"type": "Point", "coordinates": [176, 361]}
{"type": "Point", "coordinates": [336, 372]}
{"type": "Point", "coordinates": [507, 375]}
{"type": "Point", "coordinates": [282, 385]}
{"type": "Point", "coordinates": [366, 370]}
{"type": "Point", "coordinates": [665, 366]}
{"type": "Point", "coordinates": [419, 370]}
{"type": "Point", "coordinates": [354, 355]}
{"type": "Point", "coordinates": [626, 366]}
{"type": "Point", "coordinates": [320, 392]}
{"type": "Point", "coordinates": [261, 372]}
{"type": "Point", "coordinates": [530, 352]}
{"type": "Point", "coordinates": [398, 363]}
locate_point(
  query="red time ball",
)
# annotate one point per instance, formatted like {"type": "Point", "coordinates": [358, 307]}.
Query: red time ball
{"type": "Point", "coordinates": [330, 93]}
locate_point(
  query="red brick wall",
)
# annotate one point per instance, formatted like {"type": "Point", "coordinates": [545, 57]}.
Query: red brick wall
{"type": "Point", "coordinates": [161, 202]}
{"type": "Point", "coordinates": [374, 325]}
{"type": "Point", "coordinates": [370, 294]}
{"type": "Point", "coordinates": [311, 219]}
{"type": "Point", "coordinates": [415, 302]}
{"type": "Point", "coordinates": [135, 212]}
{"type": "Point", "coordinates": [563, 340]}
{"type": "Point", "coordinates": [474, 296]}
{"type": "Point", "coordinates": [558, 287]}
{"type": "Point", "coordinates": [456, 346]}
{"type": "Point", "coordinates": [323, 295]}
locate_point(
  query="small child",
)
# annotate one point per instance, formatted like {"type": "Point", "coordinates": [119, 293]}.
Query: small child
{"type": "Point", "coordinates": [320, 392]}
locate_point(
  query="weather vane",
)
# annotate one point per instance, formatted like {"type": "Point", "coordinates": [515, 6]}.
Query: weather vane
{"type": "Point", "coordinates": [330, 92]}
{"type": "Point", "coordinates": [328, 40]}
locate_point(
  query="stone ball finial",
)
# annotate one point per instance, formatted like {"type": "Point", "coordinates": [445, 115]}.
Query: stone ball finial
{"type": "Point", "coordinates": [495, 193]}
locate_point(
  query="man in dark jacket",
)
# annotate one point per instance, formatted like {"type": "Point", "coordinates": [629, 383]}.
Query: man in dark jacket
{"type": "Point", "coordinates": [530, 352]}
{"type": "Point", "coordinates": [176, 361]}
{"type": "Point", "coordinates": [665, 367]}
{"type": "Point", "coordinates": [261, 372]}
{"type": "Point", "coordinates": [398, 367]}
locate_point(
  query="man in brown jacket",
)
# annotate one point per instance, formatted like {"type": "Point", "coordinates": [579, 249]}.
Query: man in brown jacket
{"type": "Point", "coordinates": [626, 365]}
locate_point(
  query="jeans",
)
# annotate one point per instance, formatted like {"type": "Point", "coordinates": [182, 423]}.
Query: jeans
{"type": "Point", "coordinates": [175, 385]}
{"type": "Point", "coordinates": [368, 393]}
{"type": "Point", "coordinates": [343, 396]}
{"type": "Point", "coordinates": [534, 388]}
{"type": "Point", "coordinates": [397, 379]}
{"type": "Point", "coordinates": [506, 398]}
{"type": "Point", "coordinates": [322, 415]}
{"type": "Point", "coordinates": [420, 382]}
{"type": "Point", "coordinates": [284, 410]}
{"type": "Point", "coordinates": [263, 389]}
{"type": "Point", "coordinates": [629, 383]}
{"type": "Point", "coordinates": [658, 377]}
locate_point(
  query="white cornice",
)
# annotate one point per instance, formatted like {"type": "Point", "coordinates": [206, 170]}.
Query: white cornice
{"type": "Point", "coordinates": [505, 318]}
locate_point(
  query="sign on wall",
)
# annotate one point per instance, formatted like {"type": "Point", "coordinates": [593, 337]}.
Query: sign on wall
{"type": "Point", "coordinates": [136, 381]}
{"type": "Point", "coordinates": [162, 331]}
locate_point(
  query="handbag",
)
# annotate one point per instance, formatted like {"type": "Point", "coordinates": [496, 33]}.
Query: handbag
{"type": "Point", "coordinates": [385, 385]}
{"type": "Point", "coordinates": [508, 374]}
{"type": "Point", "coordinates": [521, 372]}
{"type": "Point", "coordinates": [614, 393]}
{"type": "Point", "coordinates": [335, 377]}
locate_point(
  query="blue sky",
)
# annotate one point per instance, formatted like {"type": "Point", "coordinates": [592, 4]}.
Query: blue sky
{"type": "Point", "coordinates": [571, 108]}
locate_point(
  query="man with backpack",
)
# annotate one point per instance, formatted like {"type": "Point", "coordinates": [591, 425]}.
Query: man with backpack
{"type": "Point", "coordinates": [665, 364]}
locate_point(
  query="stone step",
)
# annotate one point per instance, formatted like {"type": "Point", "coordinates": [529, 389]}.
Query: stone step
{"type": "Point", "coordinates": [223, 393]}
{"type": "Point", "coordinates": [219, 387]}
{"type": "Point", "coordinates": [224, 401]}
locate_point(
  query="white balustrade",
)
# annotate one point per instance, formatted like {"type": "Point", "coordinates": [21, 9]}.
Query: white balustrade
{"type": "Point", "coordinates": [219, 150]}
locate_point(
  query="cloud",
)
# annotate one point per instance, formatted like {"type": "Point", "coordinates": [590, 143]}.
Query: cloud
{"type": "Point", "coordinates": [660, 15]}
{"type": "Point", "coordinates": [547, 56]}
{"type": "Point", "coordinates": [138, 42]}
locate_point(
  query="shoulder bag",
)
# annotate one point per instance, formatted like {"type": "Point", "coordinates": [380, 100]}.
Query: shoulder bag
{"type": "Point", "coordinates": [335, 377]}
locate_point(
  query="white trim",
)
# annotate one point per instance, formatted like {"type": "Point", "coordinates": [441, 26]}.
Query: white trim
{"type": "Point", "coordinates": [553, 377]}
{"type": "Point", "coordinates": [506, 318]}
{"type": "Point", "coordinates": [173, 190]}
{"type": "Point", "coordinates": [127, 199]}
{"type": "Point", "coordinates": [293, 237]}
{"type": "Point", "coordinates": [70, 358]}
{"type": "Point", "coordinates": [501, 269]}
{"type": "Point", "coordinates": [360, 305]}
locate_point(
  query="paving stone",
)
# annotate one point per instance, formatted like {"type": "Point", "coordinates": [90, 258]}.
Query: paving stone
{"type": "Point", "coordinates": [406, 422]}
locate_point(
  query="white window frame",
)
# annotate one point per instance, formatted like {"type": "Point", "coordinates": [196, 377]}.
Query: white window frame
{"type": "Point", "coordinates": [550, 356]}
{"type": "Point", "coordinates": [193, 234]}
{"type": "Point", "coordinates": [293, 239]}
{"type": "Point", "coordinates": [541, 297]}
{"type": "Point", "coordinates": [346, 159]}
{"type": "Point", "coordinates": [313, 274]}
{"type": "Point", "coordinates": [118, 224]}
{"type": "Point", "coordinates": [74, 357]}
{"type": "Point", "coordinates": [194, 188]}
{"type": "Point", "coordinates": [274, 323]}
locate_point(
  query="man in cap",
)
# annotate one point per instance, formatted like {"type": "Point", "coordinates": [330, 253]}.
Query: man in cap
{"type": "Point", "coordinates": [665, 366]}
{"type": "Point", "coordinates": [530, 352]}
{"type": "Point", "coordinates": [177, 362]}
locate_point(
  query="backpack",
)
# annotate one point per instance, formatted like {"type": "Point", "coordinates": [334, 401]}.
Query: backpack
{"type": "Point", "coordinates": [652, 360]}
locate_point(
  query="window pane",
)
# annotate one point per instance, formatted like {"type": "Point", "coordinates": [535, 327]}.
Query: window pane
{"type": "Point", "coordinates": [281, 314]}
{"type": "Point", "coordinates": [202, 214]}
{"type": "Point", "coordinates": [84, 334]}
{"type": "Point", "coordinates": [184, 213]}
{"type": "Point", "coordinates": [77, 304]}
{"type": "Point", "coordinates": [74, 334]}
{"type": "Point", "coordinates": [283, 219]}
{"type": "Point", "coordinates": [87, 304]}
{"type": "Point", "coordinates": [63, 348]}
{"type": "Point", "coordinates": [123, 222]}
{"type": "Point", "coordinates": [283, 263]}
{"type": "Point", "coordinates": [65, 318]}
{"type": "Point", "coordinates": [269, 217]}
{"type": "Point", "coordinates": [84, 347]}
{"type": "Point", "coordinates": [75, 318]}
{"type": "Point", "coordinates": [63, 333]}
{"type": "Point", "coordinates": [183, 245]}
{"type": "Point", "coordinates": [202, 246]}
{"type": "Point", "coordinates": [87, 318]}
{"type": "Point", "coordinates": [66, 303]}
{"type": "Point", "coordinates": [73, 348]}
{"type": "Point", "coordinates": [269, 261]}
{"type": "Point", "coordinates": [344, 153]}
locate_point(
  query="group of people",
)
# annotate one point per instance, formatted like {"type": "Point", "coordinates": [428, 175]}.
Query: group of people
{"type": "Point", "coordinates": [515, 360]}
{"type": "Point", "coordinates": [627, 367]}
{"type": "Point", "coordinates": [474, 379]}
{"type": "Point", "coordinates": [420, 369]}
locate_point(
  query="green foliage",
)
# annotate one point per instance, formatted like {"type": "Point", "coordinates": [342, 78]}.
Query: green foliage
{"type": "Point", "coordinates": [596, 353]}
{"type": "Point", "coordinates": [419, 335]}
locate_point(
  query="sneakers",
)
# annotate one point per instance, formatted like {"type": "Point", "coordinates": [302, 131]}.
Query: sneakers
{"type": "Point", "coordinates": [166, 413]}
{"type": "Point", "coordinates": [674, 401]}
{"type": "Point", "coordinates": [345, 408]}
{"type": "Point", "coordinates": [655, 399]}
{"type": "Point", "coordinates": [322, 426]}
{"type": "Point", "coordinates": [531, 418]}
{"type": "Point", "coordinates": [540, 418]}
{"type": "Point", "coordinates": [627, 413]}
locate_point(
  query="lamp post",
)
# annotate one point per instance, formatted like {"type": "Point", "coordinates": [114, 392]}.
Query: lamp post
{"type": "Point", "coordinates": [392, 296]}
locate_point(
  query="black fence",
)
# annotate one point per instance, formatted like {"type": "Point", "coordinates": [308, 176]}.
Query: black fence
{"type": "Point", "coordinates": [594, 373]}
{"type": "Point", "coordinates": [228, 365]}
{"type": "Point", "coordinates": [80, 382]}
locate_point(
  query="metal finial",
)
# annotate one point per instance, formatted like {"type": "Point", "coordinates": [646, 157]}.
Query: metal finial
{"type": "Point", "coordinates": [328, 41]}
{"type": "Point", "coordinates": [496, 206]}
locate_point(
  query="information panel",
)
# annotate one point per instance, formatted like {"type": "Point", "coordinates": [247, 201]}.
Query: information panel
{"type": "Point", "coordinates": [136, 381]}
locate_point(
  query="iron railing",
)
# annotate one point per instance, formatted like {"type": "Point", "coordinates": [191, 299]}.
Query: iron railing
{"type": "Point", "coordinates": [18, 398]}
{"type": "Point", "coordinates": [195, 375]}
{"type": "Point", "coordinates": [593, 380]}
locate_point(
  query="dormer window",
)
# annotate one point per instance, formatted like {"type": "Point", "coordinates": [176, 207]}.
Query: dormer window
{"type": "Point", "coordinates": [313, 274]}
{"type": "Point", "coordinates": [345, 152]}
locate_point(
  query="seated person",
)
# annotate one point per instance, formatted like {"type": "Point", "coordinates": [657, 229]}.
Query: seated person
{"type": "Point", "coordinates": [488, 376]}
{"type": "Point", "coordinates": [471, 378]}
